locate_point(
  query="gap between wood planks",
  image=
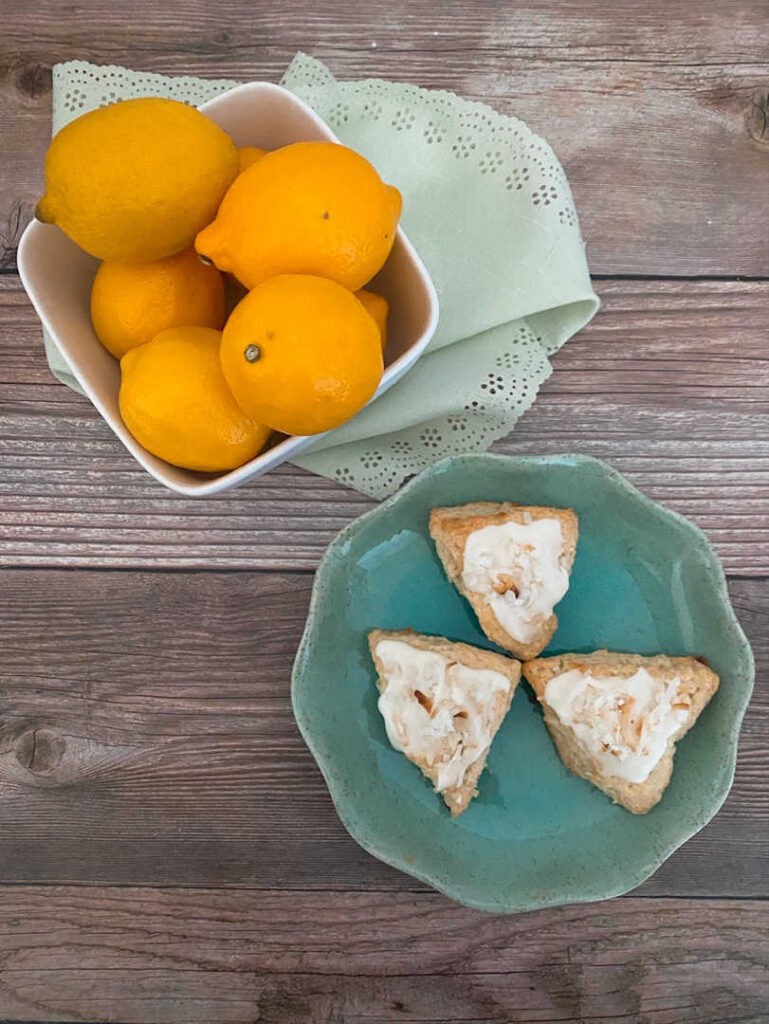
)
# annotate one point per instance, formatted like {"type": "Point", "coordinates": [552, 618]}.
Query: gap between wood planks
{"type": "Point", "coordinates": [235, 570]}
{"type": "Point", "coordinates": [379, 890]}
{"type": "Point", "coordinates": [12, 271]}
{"type": "Point", "coordinates": [375, 890]}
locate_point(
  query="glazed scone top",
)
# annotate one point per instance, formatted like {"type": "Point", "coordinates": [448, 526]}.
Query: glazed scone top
{"type": "Point", "coordinates": [518, 569]}
{"type": "Point", "coordinates": [436, 710]}
{"type": "Point", "coordinates": [625, 723]}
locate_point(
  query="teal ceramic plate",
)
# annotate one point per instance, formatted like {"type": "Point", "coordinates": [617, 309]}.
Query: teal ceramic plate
{"type": "Point", "coordinates": [644, 580]}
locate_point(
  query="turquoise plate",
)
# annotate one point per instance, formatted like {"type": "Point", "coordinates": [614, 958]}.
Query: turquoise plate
{"type": "Point", "coordinates": [644, 580]}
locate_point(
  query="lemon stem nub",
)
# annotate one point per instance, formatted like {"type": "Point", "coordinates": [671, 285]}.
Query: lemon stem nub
{"type": "Point", "coordinates": [40, 212]}
{"type": "Point", "coordinates": [252, 353]}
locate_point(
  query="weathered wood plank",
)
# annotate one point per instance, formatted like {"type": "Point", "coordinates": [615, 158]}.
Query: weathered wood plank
{"type": "Point", "coordinates": [655, 112]}
{"type": "Point", "coordinates": [669, 384]}
{"type": "Point", "coordinates": [146, 737]}
{"type": "Point", "coordinates": [171, 956]}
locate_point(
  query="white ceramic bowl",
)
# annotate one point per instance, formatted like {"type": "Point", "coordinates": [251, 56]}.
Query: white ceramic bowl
{"type": "Point", "coordinates": [58, 276]}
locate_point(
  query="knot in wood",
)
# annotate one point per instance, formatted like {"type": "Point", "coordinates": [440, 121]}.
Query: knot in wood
{"type": "Point", "coordinates": [40, 750]}
{"type": "Point", "coordinates": [32, 81]}
{"type": "Point", "coordinates": [757, 118]}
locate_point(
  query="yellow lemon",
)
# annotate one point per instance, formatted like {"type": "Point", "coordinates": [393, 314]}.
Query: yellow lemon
{"type": "Point", "coordinates": [132, 302]}
{"type": "Point", "coordinates": [301, 354]}
{"type": "Point", "coordinates": [378, 307]}
{"type": "Point", "coordinates": [175, 402]}
{"type": "Point", "coordinates": [137, 180]}
{"type": "Point", "coordinates": [248, 155]}
{"type": "Point", "coordinates": [309, 208]}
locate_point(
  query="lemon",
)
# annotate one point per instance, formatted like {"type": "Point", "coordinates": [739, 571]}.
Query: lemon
{"type": "Point", "coordinates": [314, 208]}
{"type": "Point", "coordinates": [132, 302]}
{"type": "Point", "coordinates": [175, 402]}
{"type": "Point", "coordinates": [301, 354]}
{"type": "Point", "coordinates": [248, 155]}
{"type": "Point", "coordinates": [378, 307]}
{"type": "Point", "coordinates": [137, 180]}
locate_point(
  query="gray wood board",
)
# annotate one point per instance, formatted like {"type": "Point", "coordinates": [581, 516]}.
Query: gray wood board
{"type": "Point", "coordinates": [670, 384]}
{"type": "Point", "coordinates": [147, 737]}
{"type": "Point", "coordinates": [657, 111]}
{"type": "Point", "coordinates": [202, 957]}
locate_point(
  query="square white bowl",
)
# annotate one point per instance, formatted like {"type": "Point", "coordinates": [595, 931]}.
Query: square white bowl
{"type": "Point", "coordinates": [57, 275]}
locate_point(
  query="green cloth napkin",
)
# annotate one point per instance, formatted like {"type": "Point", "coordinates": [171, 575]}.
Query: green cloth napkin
{"type": "Point", "coordinates": [489, 209]}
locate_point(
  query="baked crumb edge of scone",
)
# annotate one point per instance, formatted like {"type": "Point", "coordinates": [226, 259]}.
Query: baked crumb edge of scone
{"type": "Point", "coordinates": [449, 528]}
{"type": "Point", "coordinates": [636, 797]}
{"type": "Point", "coordinates": [457, 798]}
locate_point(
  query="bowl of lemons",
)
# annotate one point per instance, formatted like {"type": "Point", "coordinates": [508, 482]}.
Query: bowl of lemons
{"type": "Point", "coordinates": [226, 284]}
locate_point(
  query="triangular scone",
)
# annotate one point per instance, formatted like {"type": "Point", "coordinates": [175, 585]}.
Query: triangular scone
{"type": "Point", "coordinates": [512, 563]}
{"type": "Point", "coordinates": [615, 718]}
{"type": "Point", "coordinates": [442, 704]}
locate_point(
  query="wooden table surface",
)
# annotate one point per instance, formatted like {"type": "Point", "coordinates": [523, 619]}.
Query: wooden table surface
{"type": "Point", "coordinates": [168, 850]}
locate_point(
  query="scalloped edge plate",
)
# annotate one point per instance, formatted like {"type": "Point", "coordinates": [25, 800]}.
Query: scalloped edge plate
{"type": "Point", "coordinates": [390, 848]}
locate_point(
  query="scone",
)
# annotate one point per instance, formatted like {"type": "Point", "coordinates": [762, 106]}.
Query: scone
{"type": "Point", "coordinates": [512, 563]}
{"type": "Point", "coordinates": [442, 704]}
{"type": "Point", "coordinates": [615, 718]}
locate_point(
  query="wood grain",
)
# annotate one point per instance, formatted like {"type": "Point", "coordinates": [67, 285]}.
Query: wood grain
{"type": "Point", "coordinates": [670, 384]}
{"type": "Point", "coordinates": [198, 956]}
{"type": "Point", "coordinates": [651, 108]}
{"type": "Point", "coordinates": [146, 737]}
